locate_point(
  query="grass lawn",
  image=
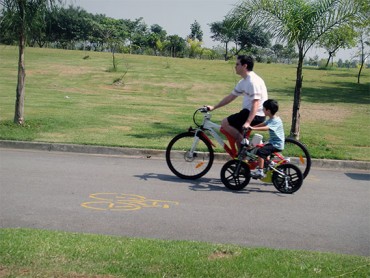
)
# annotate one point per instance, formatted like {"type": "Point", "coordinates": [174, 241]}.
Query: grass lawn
{"type": "Point", "coordinates": [35, 253]}
{"type": "Point", "coordinates": [72, 97]}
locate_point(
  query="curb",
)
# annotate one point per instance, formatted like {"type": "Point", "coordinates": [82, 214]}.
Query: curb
{"type": "Point", "coordinates": [148, 153]}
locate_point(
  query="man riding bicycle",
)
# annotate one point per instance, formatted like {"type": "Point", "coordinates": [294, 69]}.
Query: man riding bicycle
{"type": "Point", "coordinates": [254, 90]}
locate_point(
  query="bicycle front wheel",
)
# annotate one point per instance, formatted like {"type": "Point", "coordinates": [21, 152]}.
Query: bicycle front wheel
{"type": "Point", "coordinates": [298, 154]}
{"type": "Point", "coordinates": [288, 178]}
{"type": "Point", "coordinates": [189, 156]}
{"type": "Point", "coordinates": [235, 174]}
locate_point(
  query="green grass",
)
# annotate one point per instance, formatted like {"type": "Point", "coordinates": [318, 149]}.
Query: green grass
{"type": "Point", "coordinates": [36, 253]}
{"type": "Point", "coordinates": [70, 99]}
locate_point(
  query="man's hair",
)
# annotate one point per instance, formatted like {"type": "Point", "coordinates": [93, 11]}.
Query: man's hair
{"type": "Point", "coordinates": [271, 105]}
{"type": "Point", "coordinates": [248, 60]}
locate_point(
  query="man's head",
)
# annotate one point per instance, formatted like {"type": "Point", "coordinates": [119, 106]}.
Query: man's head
{"type": "Point", "coordinates": [246, 60]}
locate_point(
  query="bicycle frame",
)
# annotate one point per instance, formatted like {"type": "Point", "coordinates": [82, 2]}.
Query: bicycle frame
{"type": "Point", "coordinates": [210, 126]}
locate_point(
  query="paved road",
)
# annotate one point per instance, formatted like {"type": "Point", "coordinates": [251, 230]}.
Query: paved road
{"type": "Point", "coordinates": [139, 197]}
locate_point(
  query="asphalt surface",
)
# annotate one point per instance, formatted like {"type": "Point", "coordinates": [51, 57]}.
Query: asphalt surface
{"type": "Point", "coordinates": [136, 195]}
{"type": "Point", "coordinates": [316, 163]}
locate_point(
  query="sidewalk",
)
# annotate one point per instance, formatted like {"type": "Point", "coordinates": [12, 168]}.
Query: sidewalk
{"type": "Point", "coordinates": [147, 153]}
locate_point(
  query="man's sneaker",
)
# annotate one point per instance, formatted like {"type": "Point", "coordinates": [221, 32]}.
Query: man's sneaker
{"type": "Point", "coordinates": [258, 173]}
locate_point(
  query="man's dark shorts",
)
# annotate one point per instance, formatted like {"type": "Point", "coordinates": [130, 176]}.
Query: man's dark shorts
{"type": "Point", "coordinates": [237, 120]}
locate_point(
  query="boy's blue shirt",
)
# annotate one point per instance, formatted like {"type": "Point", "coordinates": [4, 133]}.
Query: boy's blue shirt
{"type": "Point", "coordinates": [276, 132]}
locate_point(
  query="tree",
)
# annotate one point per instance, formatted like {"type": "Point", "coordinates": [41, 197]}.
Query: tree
{"type": "Point", "coordinates": [302, 23]}
{"type": "Point", "coordinates": [343, 37]}
{"type": "Point", "coordinates": [113, 33]}
{"type": "Point", "coordinates": [156, 38]}
{"type": "Point", "coordinates": [363, 29]}
{"type": "Point", "coordinates": [137, 31]}
{"type": "Point", "coordinates": [223, 32]}
{"type": "Point", "coordinates": [21, 16]}
{"type": "Point", "coordinates": [176, 45]}
{"type": "Point", "coordinates": [195, 47]}
{"type": "Point", "coordinates": [196, 32]}
{"type": "Point", "coordinates": [244, 37]}
{"type": "Point", "coordinates": [364, 45]}
{"type": "Point", "coordinates": [67, 26]}
{"type": "Point", "coordinates": [278, 50]}
{"type": "Point", "coordinates": [250, 37]}
{"type": "Point", "coordinates": [284, 54]}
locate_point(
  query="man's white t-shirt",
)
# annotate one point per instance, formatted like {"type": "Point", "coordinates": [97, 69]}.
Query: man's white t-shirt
{"type": "Point", "coordinates": [252, 87]}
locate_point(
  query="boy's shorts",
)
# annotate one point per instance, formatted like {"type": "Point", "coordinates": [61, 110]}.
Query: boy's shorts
{"type": "Point", "coordinates": [237, 120]}
{"type": "Point", "coordinates": [266, 151]}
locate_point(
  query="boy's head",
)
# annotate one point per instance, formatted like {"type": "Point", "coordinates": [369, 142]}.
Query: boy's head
{"type": "Point", "coordinates": [271, 105]}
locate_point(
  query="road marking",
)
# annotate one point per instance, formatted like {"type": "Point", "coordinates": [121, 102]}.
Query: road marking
{"type": "Point", "coordinates": [124, 202]}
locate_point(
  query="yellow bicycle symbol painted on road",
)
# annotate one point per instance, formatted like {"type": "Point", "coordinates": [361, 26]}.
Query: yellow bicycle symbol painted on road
{"type": "Point", "coordinates": [123, 202]}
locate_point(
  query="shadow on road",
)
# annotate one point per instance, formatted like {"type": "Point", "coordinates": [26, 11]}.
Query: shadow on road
{"type": "Point", "coordinates": [357, 176]}
{"type": "Point", "coordinates": [207, 184]}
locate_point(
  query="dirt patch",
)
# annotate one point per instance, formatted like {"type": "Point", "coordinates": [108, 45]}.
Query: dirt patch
{"type": "Point", "coordinates": [312, 113]}
{"type": "Point", "coordinates": [59, 69]}
{"type": "Point", "coordinates": [4, 272]}
{"type": "Point", "coordinates": [221, 254]}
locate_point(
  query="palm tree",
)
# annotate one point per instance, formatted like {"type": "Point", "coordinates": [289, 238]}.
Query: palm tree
{"type": "Point", "coordinates": [302, 23]}
{"type": "Point", "coordinates": [20, 15]}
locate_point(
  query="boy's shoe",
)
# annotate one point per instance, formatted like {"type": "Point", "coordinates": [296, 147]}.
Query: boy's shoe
{"type": "Point", "coordinates": [257, 174]}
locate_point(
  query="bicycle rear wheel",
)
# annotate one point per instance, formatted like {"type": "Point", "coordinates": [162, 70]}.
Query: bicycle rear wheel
{"type": "Point", "coordinates": [189, 156]}
{"type": "Point", "coordinates": [298, 154]}
{"type": "Point", "coordinates": [289, 180]}
{"type": "Point", "coordinates": [235, 179]}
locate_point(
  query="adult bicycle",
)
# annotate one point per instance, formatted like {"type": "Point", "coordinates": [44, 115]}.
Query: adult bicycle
{"type": "Point", "coordinates": [190, 155]}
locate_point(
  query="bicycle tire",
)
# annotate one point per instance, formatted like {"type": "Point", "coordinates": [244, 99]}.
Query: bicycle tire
{"type": "Point", "coordinates": [187, 166]}
{"type": "Point", "coordinates": [298, 154]}
{"type": "Point", "coordinates": [239, 181]}
{"type": "Point", "coordinates": [294, 181]}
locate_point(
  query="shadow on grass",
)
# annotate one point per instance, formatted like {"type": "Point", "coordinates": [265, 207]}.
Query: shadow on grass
{"type": "Point", "coordinates": [337, 92]}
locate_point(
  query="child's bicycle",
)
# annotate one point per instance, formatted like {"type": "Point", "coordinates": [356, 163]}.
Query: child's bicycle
{"type": "Point", "coordinates": [190, 155]}
{"type": "Point", "coordinates": [236, 174]}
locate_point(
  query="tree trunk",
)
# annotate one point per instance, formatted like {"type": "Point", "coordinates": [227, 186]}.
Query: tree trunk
{"type": "Point", "coordinates": [226, 51]}
{"type": "Point", "coordinates": [295, 128]}
{"type": "Point", "coordinates": [20, 92]}
{"type": "Point", "coordinates": [362, 60]}
{"type": "Point", "coordinates": [328, 61]}
{"type": "Point", "coordinates": [359, 72]}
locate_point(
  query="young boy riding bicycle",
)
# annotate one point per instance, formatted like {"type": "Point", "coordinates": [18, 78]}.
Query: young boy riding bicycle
{"type": "Point", "coordinates": [276, 141]}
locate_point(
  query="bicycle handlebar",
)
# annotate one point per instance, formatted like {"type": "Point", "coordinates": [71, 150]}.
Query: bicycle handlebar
{"type": "Point", "coordinates": [204, 109]}
{"type": "Point", "coordinates": [246, 132]}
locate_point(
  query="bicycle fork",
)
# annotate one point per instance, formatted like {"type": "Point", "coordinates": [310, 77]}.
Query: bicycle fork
{"type": "Point", "coordinates": [283, 174]}
{"type": "Point", "coordinates": [192, 153]}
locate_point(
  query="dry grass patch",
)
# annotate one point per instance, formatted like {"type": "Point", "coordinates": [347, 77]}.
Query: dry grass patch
{"type": "Point", "coordinates": [320, 112]}
{"type": "Point", "coordinates": [317, 113]}
{"type": "Point", "coordinates": [52, 137]}
{"type": "Point", "coordinates": [222, 254]}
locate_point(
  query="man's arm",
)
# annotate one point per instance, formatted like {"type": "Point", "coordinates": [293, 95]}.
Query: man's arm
{"type": "Point", "coordinates": [252, 113]}
{"type": "Point", "coordinates": [226, 100]}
